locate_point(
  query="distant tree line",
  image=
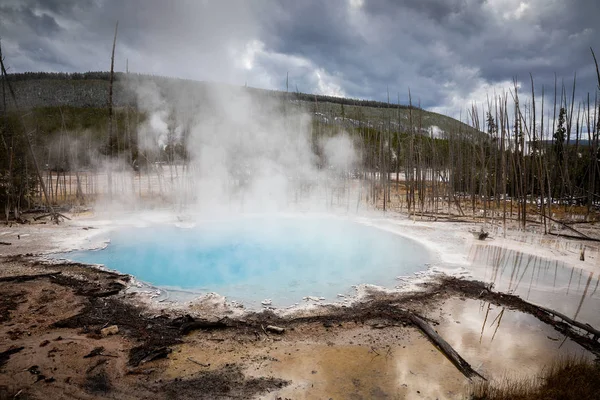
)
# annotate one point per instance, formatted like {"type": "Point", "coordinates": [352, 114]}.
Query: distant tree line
{"type": "Point", "coordinates": [105, 76]}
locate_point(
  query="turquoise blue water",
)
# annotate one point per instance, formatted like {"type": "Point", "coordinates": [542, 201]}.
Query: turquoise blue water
{"type": "Point", "coordinates": [252, 259]}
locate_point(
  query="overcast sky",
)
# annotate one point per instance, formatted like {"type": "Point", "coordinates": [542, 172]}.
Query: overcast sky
{"type": "Point", "coordinates": [448, 52]}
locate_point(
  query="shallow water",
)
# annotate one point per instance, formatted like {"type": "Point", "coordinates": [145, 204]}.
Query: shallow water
{"type": "Point", "coordinates": [357, 362]}
{"type": "Point", "coordinates": [252, 259]}
{"type": "Point", "coordinates": [500, 342]}
{"type": "Point", "coordinates": [553, 284]}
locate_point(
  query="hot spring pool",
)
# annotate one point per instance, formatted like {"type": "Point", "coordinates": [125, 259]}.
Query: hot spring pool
{"type": "Point", "coordinates": [252, 259]}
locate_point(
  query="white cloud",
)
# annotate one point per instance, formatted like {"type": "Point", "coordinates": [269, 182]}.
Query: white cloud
{"type": "Point", "coordinates": [356, 4]}
{"type": "Point", "coordinates": [326, 84]}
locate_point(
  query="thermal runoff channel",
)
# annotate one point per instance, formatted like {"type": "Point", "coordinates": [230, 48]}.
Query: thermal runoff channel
{"type": "Point", "coordinates": [252, 259]}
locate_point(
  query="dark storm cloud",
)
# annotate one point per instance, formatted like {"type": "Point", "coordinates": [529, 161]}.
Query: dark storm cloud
{"type": "Point", "coordinates": [42, 23]}
{"type": "Point", "coordinates": [445, 49]}
{"type": "Point", "coordinates": [449, 52]}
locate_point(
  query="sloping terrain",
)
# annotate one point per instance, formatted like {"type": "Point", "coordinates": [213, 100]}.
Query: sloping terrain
{"type": "Point", "coordinates": [91, 90]}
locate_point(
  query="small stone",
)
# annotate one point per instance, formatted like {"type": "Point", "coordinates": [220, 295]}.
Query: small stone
{"type": "Point", "coordinates": [109, 330]}
{"type": "Point", "coordinates": [275, 329]}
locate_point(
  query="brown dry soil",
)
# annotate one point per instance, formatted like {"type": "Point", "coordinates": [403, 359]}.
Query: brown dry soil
{"type": "Point", "coordinates": [51, 344]}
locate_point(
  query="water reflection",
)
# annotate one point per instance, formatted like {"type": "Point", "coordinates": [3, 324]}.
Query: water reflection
{"type": "Point", "coordinates": [498, 341]}
{"type": "Point", "coordinates": [550, 283]}
{"type": "Point", "coordinates": [358, 362]}
{"type": "Point", "coordinates": [408, 367]}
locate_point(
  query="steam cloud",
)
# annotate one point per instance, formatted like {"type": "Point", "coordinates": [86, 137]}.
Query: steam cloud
{"type": "Point", "coordinates": [246, 152]}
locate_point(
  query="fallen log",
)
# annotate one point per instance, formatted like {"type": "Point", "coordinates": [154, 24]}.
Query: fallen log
{"type": "Point", "coordinates": [586, 327]}
{"type": "Point", "coordinates": [198, 363]}
{"type": "Point", "coordinates": [480, 291]}
{"type": "Point", "coordinates": [452, 355]}
{"type": "Point", "coordinates": [588, 238]}
{"type": "Point", "coordinates": [581, 234]}
{"type": "Point", "coordinates": [41, 217]}
{"type": "Point", "coordinates": [54, 216]}
{"type": "Point", "coordinates": [187, 327]}
{"type": "Point", "coordinates": [24, 278]}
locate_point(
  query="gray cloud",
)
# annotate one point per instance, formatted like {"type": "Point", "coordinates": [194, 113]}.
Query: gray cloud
{"type": "Point", "coordinates": [449, 52]}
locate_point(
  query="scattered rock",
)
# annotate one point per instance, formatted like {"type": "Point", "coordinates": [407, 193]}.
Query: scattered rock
{"type": "Point", "coordinates": [44, 343]}
{"type": "Point", "coordinates": [34, 370]}
{"type": "Point", "coordinates": [275, 329]}
{"type": "Point", "coordinates": [266, 302]}
{"type": "Point", "coordinates": [109, 330]}
{"type": "Point", "coordinates": [311, 298]}
{"type": "Point", "coordinates": [379, 326]}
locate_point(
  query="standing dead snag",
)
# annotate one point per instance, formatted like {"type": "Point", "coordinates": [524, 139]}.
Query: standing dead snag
{"type": "Point", "coordinates": [3, 72]}
{"type": "Point", "coordinates": [111, 131]}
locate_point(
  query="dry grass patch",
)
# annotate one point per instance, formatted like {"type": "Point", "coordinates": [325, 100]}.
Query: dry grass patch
{"type": "Point", "coordinates": [565, 379]}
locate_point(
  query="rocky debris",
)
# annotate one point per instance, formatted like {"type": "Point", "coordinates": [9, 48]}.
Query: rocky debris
{"type": "Point", "coordinates": [275, 329]}
{"type": "Point", "coordinates": [227, 382]}
{"type": "Point", "coordinates": [110, 330]}
{"type": "Point", "coordinates": [35, 370]}
{"type": "Point", "coordinates": [312, 298]}
{"type": "Point", "coordinates": [481, 234]}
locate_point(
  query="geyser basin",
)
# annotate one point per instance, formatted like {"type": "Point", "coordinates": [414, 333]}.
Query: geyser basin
{"type": "Point", "coordinates": [252, 259]}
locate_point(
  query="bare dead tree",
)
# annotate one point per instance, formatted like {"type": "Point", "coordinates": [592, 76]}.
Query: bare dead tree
{"type": "Point", "coordinates": [26, 133]}
{"type": "Point", "coordinates": [111, 131]}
